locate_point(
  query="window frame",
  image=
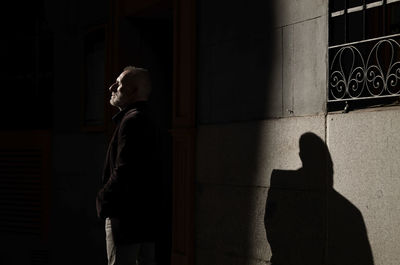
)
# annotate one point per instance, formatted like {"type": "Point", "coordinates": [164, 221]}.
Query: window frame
{"type": "Point", "coordinates": [352, 50]}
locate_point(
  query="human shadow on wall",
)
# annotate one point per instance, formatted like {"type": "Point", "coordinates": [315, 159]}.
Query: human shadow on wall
{"type": "Point", "coordinates": [307, 221]}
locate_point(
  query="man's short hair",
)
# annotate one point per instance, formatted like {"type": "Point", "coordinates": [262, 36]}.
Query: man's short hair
{"type": "Point", "coordinates": [141, 78]}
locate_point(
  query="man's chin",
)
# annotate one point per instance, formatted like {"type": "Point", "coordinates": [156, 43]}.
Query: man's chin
{"type": "Point", "coordinates": [115, 103]}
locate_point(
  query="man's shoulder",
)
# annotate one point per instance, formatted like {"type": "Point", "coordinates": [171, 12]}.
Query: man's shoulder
{"type": "Point", "coordinates": [284, 178]}
{"type": "Point", "coordinates": [134, 119]}
{"type": "Point", "coordinates": [284, 172]}
{"type": "Point", "coordinates": [133, 115]}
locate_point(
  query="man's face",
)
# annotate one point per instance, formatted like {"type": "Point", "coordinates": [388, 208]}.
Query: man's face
{"type": "Point", "coordinates": [121, 91]}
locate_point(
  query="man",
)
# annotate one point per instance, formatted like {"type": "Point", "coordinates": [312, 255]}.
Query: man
{"type": "Point", "coordinates": [129, 197]}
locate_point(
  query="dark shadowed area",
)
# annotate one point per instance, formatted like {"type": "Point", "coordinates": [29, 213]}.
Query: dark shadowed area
{"type": "Point", "coordinates": [236, 59]}
{"type": "Point", "coordinates": [306, 220]}
{"type": "Point", "coordinates": [57, 61]}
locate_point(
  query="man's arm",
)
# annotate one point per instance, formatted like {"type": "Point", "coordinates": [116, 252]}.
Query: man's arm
{"type": "Point", "coordinates": [129, 164]}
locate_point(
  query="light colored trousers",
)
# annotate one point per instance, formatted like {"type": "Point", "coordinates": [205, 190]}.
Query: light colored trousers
{"type": "Point", "coordinates": [133, 254]}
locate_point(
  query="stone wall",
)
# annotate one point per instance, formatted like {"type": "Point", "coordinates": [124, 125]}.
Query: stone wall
{"type": "Point", "coordinates": [251, 118]}
{"type": "Point", "coordinates": [365, 148]}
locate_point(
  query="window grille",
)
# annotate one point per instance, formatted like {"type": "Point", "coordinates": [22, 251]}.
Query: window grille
{"type": "Point", "coordinates": [364, 53]}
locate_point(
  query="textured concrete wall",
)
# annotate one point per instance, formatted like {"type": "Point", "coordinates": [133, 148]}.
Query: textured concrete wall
{"type": "Point", "coordinates": [261, 59]}
{"type": "Point", "coordinates": [232, 184]}
{"type": "Point", "coordinates": [248, 71]}
{"type": "Point", "coordinates": [235, 55]}
{"type": "Point", "coordinates": [233, 180]}
{"type": "Point", "coordinates": [300, 70]}
{"type": "Point", "coordinates": [365, 151]}
{"type": "Point", "coordinates": [235, 160]}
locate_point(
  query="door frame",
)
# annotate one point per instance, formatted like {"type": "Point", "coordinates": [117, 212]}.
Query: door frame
{"type": "Point", "coordinates": [183, 127]}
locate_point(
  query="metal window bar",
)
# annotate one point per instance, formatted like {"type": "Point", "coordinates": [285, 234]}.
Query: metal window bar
{"type": "Point", "coordinates": [364, 19]}
{"type": "Point", "coordinates": [346, 20]}
{"type": "Point", "coordinates": [384, 11]}
{"type": "Point", "coordinates": [364, 6]}
{"type": "Point", "coordinates": [365, 69]}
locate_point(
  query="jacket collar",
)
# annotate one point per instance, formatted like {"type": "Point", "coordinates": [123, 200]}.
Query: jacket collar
{"type": "Point", "coordinates": [139, 105]}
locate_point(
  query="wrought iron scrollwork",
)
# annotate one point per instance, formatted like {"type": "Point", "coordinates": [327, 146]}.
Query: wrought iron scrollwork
{"type": "Point", "coordinates": [347, 81]}
{"type": "Point", "coordinates": [352, 77]}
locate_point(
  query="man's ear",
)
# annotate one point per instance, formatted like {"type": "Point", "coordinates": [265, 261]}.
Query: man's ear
{"type": "Point", "coordinates": [133, 90]}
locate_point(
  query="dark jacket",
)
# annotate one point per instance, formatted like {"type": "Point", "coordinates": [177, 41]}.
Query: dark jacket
{"type": "Point", "coordinates": [131, 177]}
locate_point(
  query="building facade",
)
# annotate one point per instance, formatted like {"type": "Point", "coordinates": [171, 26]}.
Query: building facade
{"type": "Point", "coordinates": [236, 86]}
{"type": "Point", "coordinates": [254, 105]}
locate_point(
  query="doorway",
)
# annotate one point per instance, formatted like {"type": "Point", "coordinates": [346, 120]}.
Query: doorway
{"type": "Point", "coordinates": [161, 35]}
{"type": "Point", "coordinates": [147, 41]}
